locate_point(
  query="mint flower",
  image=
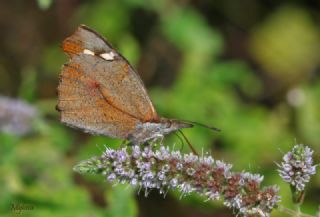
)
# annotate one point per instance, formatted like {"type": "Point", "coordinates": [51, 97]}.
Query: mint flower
{"type": "Point", "coordinates": [163, 169]}
{"type": "Point", "coordinates": [297, 167]}
{"type": "Point", "coordinates": [16, 116]}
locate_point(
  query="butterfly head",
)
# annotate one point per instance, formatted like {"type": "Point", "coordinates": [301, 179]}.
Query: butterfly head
{"type": "Point", "coordinates": [170, 125]}
{"type": "Point", "coordinates": [151, 130]}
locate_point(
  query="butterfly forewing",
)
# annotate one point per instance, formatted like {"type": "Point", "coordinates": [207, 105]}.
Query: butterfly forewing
{"type": "Point", "coordinates": [119, 84]}
{"type": "Point", "coordinates": [100, 92]}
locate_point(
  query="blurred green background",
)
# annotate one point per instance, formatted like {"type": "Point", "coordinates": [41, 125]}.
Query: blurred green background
{"type": "Point", "coordinates": [248, 67]}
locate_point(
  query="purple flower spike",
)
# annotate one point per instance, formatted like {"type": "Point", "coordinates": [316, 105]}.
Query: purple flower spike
{"type": "Point", "coordinates": [296, 167]}
{"type": "Point", "coordinates": [16, 116]}
{"type": "Point", "coordinates": [163, 169]}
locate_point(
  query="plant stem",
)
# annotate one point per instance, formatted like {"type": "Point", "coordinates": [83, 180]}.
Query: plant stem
{"type": "Point", "coordinates": [293, 212]}
{"type": "Point", "coordinates": [318, 212]}
{"type": "Point", "coordinates": [297, 196]}
{"type": "Point", "coordinates": [298, 210]}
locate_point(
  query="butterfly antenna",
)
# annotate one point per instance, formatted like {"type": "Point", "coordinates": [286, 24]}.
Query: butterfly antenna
{"type": "Point", "coordinates": [181, 140]}
{"type": "Point", "coordinates": [189, 144]}
{"type": "Point", "coordinates": [203, 125]}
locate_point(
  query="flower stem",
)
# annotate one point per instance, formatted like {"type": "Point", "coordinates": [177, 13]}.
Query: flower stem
{"type": "Point", "coordinates": [292, 212]}
{"type": "Point", "coordinates": [297, 196]}
{"type": "Point", "coordinates": [298, 210]}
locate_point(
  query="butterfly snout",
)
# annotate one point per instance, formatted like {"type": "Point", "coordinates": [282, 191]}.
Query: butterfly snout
{"type": "Point", "coordinates": [173, 125]}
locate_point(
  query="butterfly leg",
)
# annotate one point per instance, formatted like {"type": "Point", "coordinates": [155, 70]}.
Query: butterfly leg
{"type": "Point", "coordinates": [157, 138]}
{"type": "Point", "coordinates": [125, 143]}
{"type": "Point", "coordinates": [145, 144]}
{"type": "Point", "coordinates": [161, 137]}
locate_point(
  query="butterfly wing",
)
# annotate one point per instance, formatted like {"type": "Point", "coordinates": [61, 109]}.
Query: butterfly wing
{"type": "Point", "coordinates": [82, 105]}
{"type": "Point", "coordinates": [99, 90]}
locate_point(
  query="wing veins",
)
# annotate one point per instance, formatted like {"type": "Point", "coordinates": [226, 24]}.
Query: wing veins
{"type": "Point", "coordinates": [104, 97]}
{"type": "Point", "coordinates": [119, 109]}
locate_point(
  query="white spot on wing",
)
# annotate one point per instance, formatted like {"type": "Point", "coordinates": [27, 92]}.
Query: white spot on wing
{"type": "Point", "coordinates": [108, 56]}
{"type": "Point", "coordinates": [89, 52]}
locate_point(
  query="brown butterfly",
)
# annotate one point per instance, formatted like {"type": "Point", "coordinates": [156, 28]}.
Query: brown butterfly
{"type": "Point", "coordinates": [100, 92]}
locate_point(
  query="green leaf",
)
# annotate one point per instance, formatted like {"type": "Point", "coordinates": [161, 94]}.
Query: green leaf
{"type": "Point", "coordinates": [44, 4]}
{"type": "Point", "coordinates": [121, 202]}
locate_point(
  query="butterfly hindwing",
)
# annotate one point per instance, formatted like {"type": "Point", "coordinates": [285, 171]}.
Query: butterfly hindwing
{"type": "Point", "coordinates": [81, 105]}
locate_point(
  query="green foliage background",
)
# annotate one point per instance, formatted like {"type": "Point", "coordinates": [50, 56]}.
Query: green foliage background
{"type": "Point", "coordinates": [250, 68]}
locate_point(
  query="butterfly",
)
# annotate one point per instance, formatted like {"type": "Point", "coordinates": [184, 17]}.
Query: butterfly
{"type": "Point", "coordinates": [100, 93]}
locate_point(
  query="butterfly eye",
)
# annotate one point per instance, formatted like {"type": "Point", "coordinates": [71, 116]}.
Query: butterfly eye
{"type": "Point", "coordinates": [158, 128]}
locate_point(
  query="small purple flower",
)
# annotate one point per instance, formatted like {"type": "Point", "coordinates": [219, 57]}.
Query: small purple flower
{"type": "Point", "coordinates": [212, 195]}
{"type": "Point", "coordinates": [174, 183]}
{"type": "Point", "coordinates": [179, 166]}
{"type": "Point", "coordinates": [206, 160]}
{"type": "Point", "coordinates": [190, 158]}
{"type": "Point", "coordinates": [297, 167]}
{"type": "Point", "coordinates": [225, 168]}
{"type": "Point", "coordinates": [109, 153]}
{"type": "Point", "coordinates": [161, 176]}
{"type": "Point", "coordinates": [147, 152]}
{"type": "Point", "coordinates": [190, 171]}
{"type": "Point", "coordinates": [111, 177]}
{"type": "Point", "coordinates": [134, 182]}
{"type": "Point", "coordinates": [136, 152]}
{"type": "Point", "coordinates": [186, 188]}
{"type": "Point", "coordinates": [176, 155]}
{"type": "Point", "coordinates": [16, 116]}
{"type": "Point", "coordinates": [122, 155]}
{"type": "Point", "coordinates": [163, 169]}
{"type": "Point", "coordinates": [256, 177]}
{"type": "Point", "coordinates": [163, 153]}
